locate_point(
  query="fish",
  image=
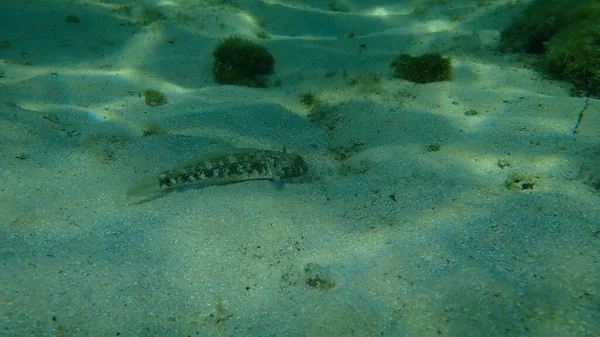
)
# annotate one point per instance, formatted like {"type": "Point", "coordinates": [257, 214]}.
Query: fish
{"type": "Point", "coordinates": [224, 168]}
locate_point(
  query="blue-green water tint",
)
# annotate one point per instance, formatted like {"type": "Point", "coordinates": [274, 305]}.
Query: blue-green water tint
{"type": "Point", "coordinates": [494, 233]}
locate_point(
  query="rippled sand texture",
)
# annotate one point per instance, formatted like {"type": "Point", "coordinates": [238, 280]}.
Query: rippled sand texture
{"type": "Point", "coordinates": [462, 208]}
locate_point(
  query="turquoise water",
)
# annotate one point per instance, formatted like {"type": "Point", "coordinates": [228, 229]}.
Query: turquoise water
{"type": "Point", "coordinates": [466, 207]}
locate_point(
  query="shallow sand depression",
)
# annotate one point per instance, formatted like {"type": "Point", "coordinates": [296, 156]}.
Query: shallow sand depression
{"type": "Point", "coordinates": [460, 208]}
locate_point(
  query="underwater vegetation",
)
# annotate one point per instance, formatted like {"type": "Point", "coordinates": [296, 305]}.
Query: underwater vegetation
{"type": "Point", "coordinates": [431, 67]}
{"type": "Point", "coordinates": [326, 115]}
{"type": "Point", "coordinates": [520, 181]}
{"type": "Point", "coordinates": [154, 97]}
{"type": "Point", "coordinates": [241, 61]}
{"type": "Point", "coordinates": [309, 100]}
{"type": "Point", "coordinates": [590, 174]}
{"type": "Point", "coordinates": [434, 147]}
{"type": "Point", "coordinates": [154, 129]}
{"type": "Point", "coordinates": [337, 6]}
{"type": "Point", "coordinates": [72, 18]}
{"type": "Point", "coordinates": [318, 277]}
{"type": "Point", "coordinates": [565, 36]}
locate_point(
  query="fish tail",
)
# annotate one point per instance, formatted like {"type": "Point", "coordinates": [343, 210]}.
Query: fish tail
{"type": "Point", "coordinates": [143, 188]}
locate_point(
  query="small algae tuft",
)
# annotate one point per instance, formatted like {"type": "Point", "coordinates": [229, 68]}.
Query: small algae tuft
{"type": "Point", "coordinates": [435, 147]}
{"type": "Point", "coordinates": [154, 129]}
{"type": "Point", "coordinates": [326, 116]}
{"type": "Point", "coordinates": [154, 97]}
{"type": "Point", "coordinates": [367, 83]}
{"type": "Point", "coordinates": [503, 163]}
{"type": "Point", "coordinates": [309, 99]}
{"type": "Point", "coordinates": [72, 18]}
{"type": "Point", "coordinates": [432, 67]}
{"type": "Point", "coordinates": [261, 34]}
{"type": "Point", "coordinates": [149, 15]}
{"type": "Point", "coordinates": [342, 153]}
{"type": "Point", "coordinates": [590, 174]}
{"type": "Point", "coordinates": [318, 277]}
{"type": "Point", "coordinates": [241, 61]}
{"type": "Point", "coordinates": [336, 6]}
{"type": "Point", "coordinates": [520, 181]}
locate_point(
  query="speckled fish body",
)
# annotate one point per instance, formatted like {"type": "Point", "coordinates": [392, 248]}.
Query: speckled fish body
{"type": "Point", "coordinates": [225, 168]}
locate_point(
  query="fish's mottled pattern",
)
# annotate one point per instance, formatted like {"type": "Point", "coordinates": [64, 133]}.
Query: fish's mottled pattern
{"type": "Point", "coordinates": [227, 167]}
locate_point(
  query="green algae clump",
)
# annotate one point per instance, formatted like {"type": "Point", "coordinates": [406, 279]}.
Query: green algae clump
{"type": "Point", "coordinates": [574, 55]}
{"type": "Point", "coordinates": [154, 97]}
{"type": "Point", "coordinates": [563, 40]}
{"type": "Point", "coordinates": [241, 61]}
{"type": "Point", "coordinates": [431, 67]}
{"type": "Point", "coordinates": [520, 181]}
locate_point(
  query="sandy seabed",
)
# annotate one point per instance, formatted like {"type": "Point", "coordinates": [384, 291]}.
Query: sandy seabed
{"type": "Point", "coordinates": [461, 208]}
